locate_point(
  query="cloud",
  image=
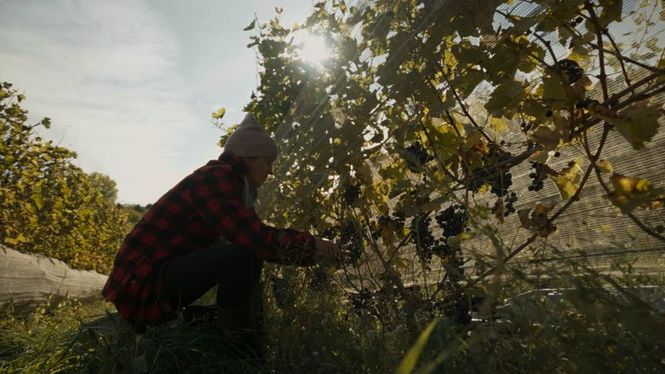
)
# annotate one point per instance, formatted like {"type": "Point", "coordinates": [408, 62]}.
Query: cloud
{"type": "Point", "coordinates": [106, 72]}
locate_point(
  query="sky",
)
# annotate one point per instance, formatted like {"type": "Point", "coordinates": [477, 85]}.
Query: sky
{"type": "Point", "coordinates": [130, 85]}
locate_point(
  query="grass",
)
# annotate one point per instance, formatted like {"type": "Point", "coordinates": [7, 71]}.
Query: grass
{"type": "Point", "coordinates": [43, 339]}
{"type": "Point", "coordinates": [593, 329]}
{"type": "Point", "coordinates": [49, 339]}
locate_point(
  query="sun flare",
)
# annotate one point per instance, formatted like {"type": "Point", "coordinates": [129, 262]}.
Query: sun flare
{"type": "Point", "coordinates": [312, 48]}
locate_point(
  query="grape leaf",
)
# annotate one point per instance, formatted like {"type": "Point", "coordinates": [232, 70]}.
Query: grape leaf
{"type": "Point", "coordinates": [466, 53]}
{"type": "Point", "coordinates": [638, 123]}
{"type": "Point", "coordinates": [498, 124]}
{"type": "Point", "coordinates": [553, 89]}
{"type": "Point", "coordinates": [611, 11]}
{"type": "Point", "coordinates": [632, 192]}
{"type": "Point", "coordinates": [535, 219]}
{"type": "Point", "coordinates": [467, 83]}
{"type": "Point", "coordinates": [567, 180]}
{"type": "Point", "coordinates": [503, 95]}
{"type": "Point", "coordinates": [547, 137]}
{"type": "Point", "coordinates": [219, 114]}
{"type": "Point", "coordinates": [605, 166]}
{"type": "Point", "coordinates": [250, 26]}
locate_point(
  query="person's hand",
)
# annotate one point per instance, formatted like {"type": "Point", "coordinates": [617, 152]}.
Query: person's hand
{"type": "Point", "coordinates": [327, 251]}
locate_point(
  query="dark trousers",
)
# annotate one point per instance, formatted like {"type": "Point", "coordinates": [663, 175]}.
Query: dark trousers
{"type": "Point", "coordinates": [234, 270]}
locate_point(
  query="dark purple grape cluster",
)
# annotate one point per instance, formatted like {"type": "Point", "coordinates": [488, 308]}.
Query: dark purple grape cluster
{"type": "Point", "coordinates": [398, 219]}
{"type": "Point", "coordinates": [423, 237]}
{"type": "Point", "coordinates": [452, 222]}
{"type": "Point", "coordinates": [537, 176]}
{"type": "Point", "coordinates": [351, 193]}
{"type": "Point", "coordinates": [416, 156]}
{"type": "Point", "coordinates": [571, 70]}
{"type": "Point", "coordinates": [577, 21]}
{"type": "Point", "coordinates": [511, 199]}
{"type": "Point", "coordinates": [455, 304]}
{"type": "Point", "coordinates": [496, 172]}
{"type": "Point", "coordinates": [361, 300]}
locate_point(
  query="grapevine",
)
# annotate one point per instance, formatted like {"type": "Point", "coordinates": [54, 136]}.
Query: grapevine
{"type": "Point", "coordinates": [499, 178]}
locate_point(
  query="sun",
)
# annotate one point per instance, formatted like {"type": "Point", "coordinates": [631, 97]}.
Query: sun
{"type": "Point", "coordinates": [312, 48]}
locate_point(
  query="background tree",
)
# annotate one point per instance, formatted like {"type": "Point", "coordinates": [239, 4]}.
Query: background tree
{"type": "Point", "coordinates": [47, 204]}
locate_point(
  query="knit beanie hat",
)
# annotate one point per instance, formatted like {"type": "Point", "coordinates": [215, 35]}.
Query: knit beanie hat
{"type": "Point", "coordinates": [249, 140]}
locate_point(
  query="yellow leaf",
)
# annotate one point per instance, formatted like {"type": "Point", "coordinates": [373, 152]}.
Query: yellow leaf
{"type": "Point", "coordinates": [498, 124]}
{"type": "Point", "coordinates": [484, 188]}
{"type": "Point", "coordinates": [606, 228]}
{"type": "Point", "coordinates": [642, 185]}
{"type": "Point", "coordinates": [567, 180]}
{"type": "Point", "coordinates": [622, 183]}
{"type": "Point", "coordinates": [219, 113]}
{"type": "Point", "coordinates": [20, 238]}
{"type": "Point", "coordinates": [465, 236]}
{"type": "Point", "coordinates": [605, 166]}
{"type": "Point", "coordinates": [630, 193]}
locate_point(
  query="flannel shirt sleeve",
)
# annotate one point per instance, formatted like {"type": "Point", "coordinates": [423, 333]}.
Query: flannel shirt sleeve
{"type": "Point", "coordinates": [217, 199]}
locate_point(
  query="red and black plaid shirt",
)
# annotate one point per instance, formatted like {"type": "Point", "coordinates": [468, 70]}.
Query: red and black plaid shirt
{"type": "Point", "coordinates": [191, 216]}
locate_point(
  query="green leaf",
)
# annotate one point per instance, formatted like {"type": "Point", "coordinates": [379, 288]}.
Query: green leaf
{"type": "Point", "coordinates": [504, 95]}
{"type": "Point", "coordinates": [549, 138]}
{"type": "Point", "coordinates": [250, 26]}
{"type": "Point", "coordinates": [637, 123]}
{"type": "Point", "coordinates": [467, 53]}
{"type": "Point", "coordinates": [611, 11]}
{"type": "Point", "coordinates": [553, 89]}
{"type": "Point", "coordinates": [503, 66]}
{"type": "Point", "coordinates": [467, 83]}
{"type": "Point", "coordinates": [409, 361]}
